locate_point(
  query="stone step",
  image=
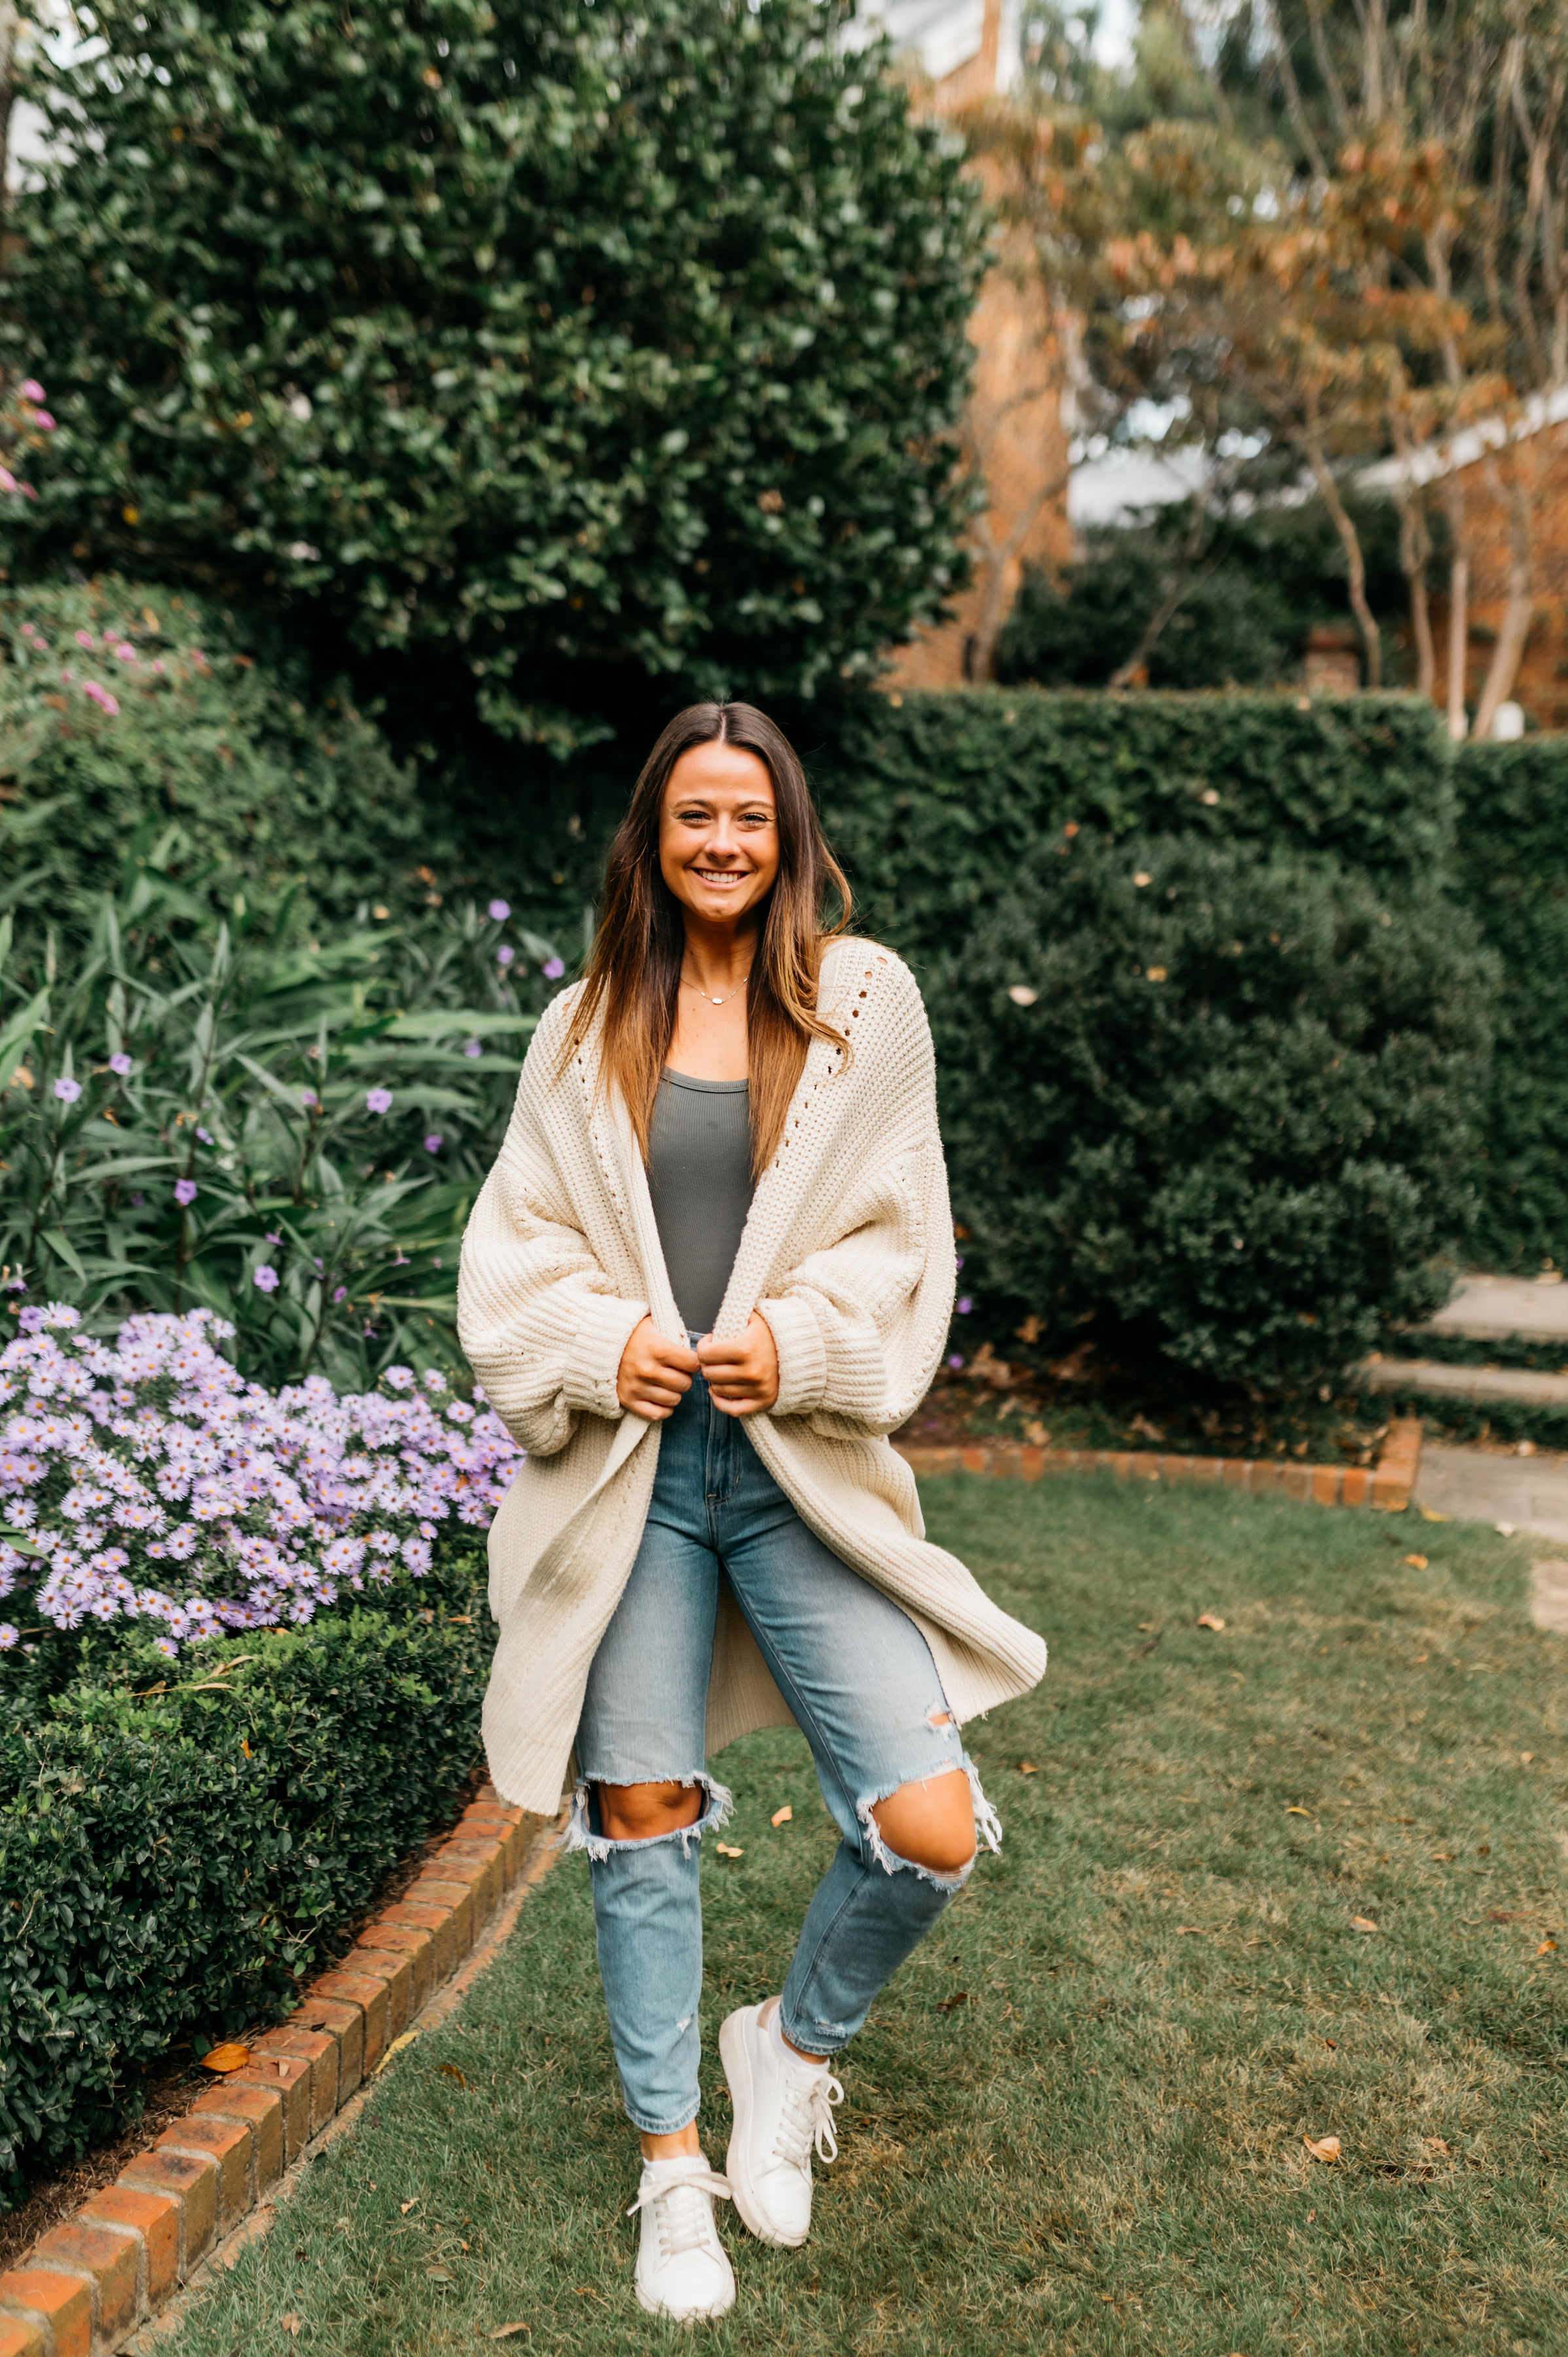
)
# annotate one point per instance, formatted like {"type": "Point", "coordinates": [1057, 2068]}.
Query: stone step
{"type": "Point", "coordinates": [1529, 1493]}
{"type": "Point", "coordinates": [1500, 1309]}
{"type": "Point", "coordinates": [1522, 1386]}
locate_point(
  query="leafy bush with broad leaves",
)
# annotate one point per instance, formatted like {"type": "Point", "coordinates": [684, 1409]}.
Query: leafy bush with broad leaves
{"type": "Point", "coordinates": [176, 1853]}
{"type": "Point", "coordinates": [1222, 1104]}
{"type": "Point", "coordinates": [146, 723]}
{"type": "Point", "coordinates": [519, 337]}
{"type": "Point", "coordinates": [290, 1134]}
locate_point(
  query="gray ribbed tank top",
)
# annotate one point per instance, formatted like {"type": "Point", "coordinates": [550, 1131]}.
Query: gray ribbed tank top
{"type": "Point", "coordinates": [699, 1172]}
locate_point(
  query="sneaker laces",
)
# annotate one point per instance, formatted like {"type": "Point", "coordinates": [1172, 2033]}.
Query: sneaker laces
{"type": "Point", "coordinates": [808, 2118]}
{"type": "Point", "coordinates": [683, 2220]}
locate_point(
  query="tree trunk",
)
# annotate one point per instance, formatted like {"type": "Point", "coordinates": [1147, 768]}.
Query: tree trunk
{"type": "Point", "coordinates": [1517, 614]}
{"type": "Point", "coordinates": [1355, 562]}
{"type": "Point", "coordinates": [1415, 548]}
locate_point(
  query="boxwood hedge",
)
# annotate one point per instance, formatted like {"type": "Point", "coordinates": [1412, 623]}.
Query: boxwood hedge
{"type": "Point", "coordinates": [177, 1848]}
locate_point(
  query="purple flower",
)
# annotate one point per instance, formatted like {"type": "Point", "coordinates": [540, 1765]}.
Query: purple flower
{"type": "Point", "coordinates": [505, 955]}
{"type": "Point", "coordinates": [340, 1293]}
{"type": "Point", "coordinates": [378, 1100]}
{"type": "Point", "coordinates": [435, 1142]}
{"type": "Point", "coordinates": [121, 1064]}
{"type": "Point", "coordinates": [136, 1203]}
{"type": "Point", "coordinates": [9, 1636]}
{"type": "Point", "coordinates": [184, 1191]}
{"type": "Point", "coordinates": [472, 1048]}
{"type": "Point", "coordinates": [265, 1280]}
{"type": "Point", "coordinates": [205, 1135]}
{"type": "Point", "coordinates": [955, 1360]}
{"type": "Point", "coordinates": [274, 1235]}
{"type": "Point", "coordinates": [166, 1646]}
{"type": "Point", "coordinates": [501, 910]}
{"type": "Point", "coordinates": [308, 1098]}
{"type": "Point", "coordinates": [963, 1304]}
{"type": "Point", "coordinates": [68, 1089]}
{"type": "Point", "coordinates": [552, 969]}
{"type": "Point", "coordinates": [958, 1260]}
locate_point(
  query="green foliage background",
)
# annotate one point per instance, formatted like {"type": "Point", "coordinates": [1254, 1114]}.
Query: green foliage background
{"type": "Point", "coordinates": [514, 343]}
{"type": "Point", "coordinates": [156, 1880]}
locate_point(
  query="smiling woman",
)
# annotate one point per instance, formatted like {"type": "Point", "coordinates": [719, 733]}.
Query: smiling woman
{"type": "Point", "coordinates": [709, 1273]}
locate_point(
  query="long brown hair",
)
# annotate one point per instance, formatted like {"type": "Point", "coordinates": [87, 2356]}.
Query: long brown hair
{"type": "Point", "coordinates": [633, 973]}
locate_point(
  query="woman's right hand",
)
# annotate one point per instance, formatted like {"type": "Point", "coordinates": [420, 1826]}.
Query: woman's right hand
{"type": "Point", "coordinates": [655, 1374]}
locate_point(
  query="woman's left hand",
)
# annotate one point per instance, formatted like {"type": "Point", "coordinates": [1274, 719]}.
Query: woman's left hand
{"type": "Point", "coordinates": [741, 1375]}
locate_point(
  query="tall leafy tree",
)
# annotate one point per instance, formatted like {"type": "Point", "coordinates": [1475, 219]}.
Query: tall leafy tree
{"type": "Point", "coordinates": [513, 337]}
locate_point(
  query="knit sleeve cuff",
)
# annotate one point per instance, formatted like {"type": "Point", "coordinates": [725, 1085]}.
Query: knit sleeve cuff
{"type": "Point", "coordinates": [604, 1325]}
{"type": "Point", "coordinates": [802, 1356]}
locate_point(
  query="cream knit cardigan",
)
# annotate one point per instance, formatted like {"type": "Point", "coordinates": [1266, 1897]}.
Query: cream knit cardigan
{"type": "Point", "coordinates": [847, 1253]}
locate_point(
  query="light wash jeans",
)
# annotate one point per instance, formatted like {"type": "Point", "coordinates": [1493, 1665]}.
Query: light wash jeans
{"type": "Point", "coordinates": [858, 1676]}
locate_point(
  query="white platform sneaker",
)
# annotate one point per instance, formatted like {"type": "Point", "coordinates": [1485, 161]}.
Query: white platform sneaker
{"type": "Point", "coordinates": [682, 2269]}
{"type": "Point", "coordinates": [783, 2109]}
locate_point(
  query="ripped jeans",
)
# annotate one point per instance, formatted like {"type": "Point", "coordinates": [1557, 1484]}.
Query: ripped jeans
{"type": "Point", "coordinates": [859, 1678]}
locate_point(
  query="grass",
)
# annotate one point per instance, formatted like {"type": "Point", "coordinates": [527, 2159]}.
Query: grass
{"type": "Point", "coordinates": [1076, 2119]}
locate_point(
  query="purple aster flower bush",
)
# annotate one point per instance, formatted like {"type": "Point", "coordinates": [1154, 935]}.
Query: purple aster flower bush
{"type": "Point", "coordinates": [145, 1482]}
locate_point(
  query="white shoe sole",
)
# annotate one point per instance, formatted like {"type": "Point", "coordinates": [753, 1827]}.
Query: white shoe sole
{"type": "Point", "coordinates": [682, 2316]}
{"type": "Point", "coordinates": [737, 2070]}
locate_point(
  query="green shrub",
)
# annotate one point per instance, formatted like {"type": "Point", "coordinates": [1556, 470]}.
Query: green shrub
{"type": "Point", "coordinates": [1222, 1104]}
{"type": "Point", "coordinates": [1513, 874]}
{"type": "Point", "coordinates": [218, 760]}
{"type": "Point", "coordinates": [520, 340]}
{"type": "Point", "coordinates": [931, 799]}
{"type": "Point", "coordinates": [176, 1852]}
{"type": "Point", "coordinates": [291, 1136]}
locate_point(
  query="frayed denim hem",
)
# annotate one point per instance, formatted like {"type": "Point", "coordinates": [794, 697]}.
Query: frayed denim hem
{"type": "Point", "coordinates": [658, 2127]}
{"type": "Point", "coordinates": [579, 1835]}
{"type": "Point", "coordinates": [987, 1826]}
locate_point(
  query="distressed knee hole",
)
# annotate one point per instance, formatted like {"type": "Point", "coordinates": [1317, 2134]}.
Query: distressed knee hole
{"type": "Point", "coordinates": [691, 1805]}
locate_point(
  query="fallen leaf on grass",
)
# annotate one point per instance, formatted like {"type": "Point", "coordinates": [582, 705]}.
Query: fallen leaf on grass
{"type": "Point", "coordinates": [1508, 1914]}
{"type": "Point", "coordinates": [1431, 1514]}
{"type": "Point", "coordinates": [1322, 2148]}
{"type": "Point", "coordinates": [1435, 2144]}
{"type": "Point", "coordinates": [1210, 1620]}
{"type": "Point", "coordinates": [1363, 1923]}
{"type": "Point", "coordinates": [450, 2071]}
{"type": "Point", "coordinates": [1294, 1812]}
{"type": "Point", "coordinates": [437, 2274]}
{"type": "Point", "coordinates": [1417, 1562]}
{"type": "Point", "coordinates": [1503, 1530]}
{"type": "Point", "coordinates": [293, 2325]}
{"type": "Point", "coordinates": [727, 1849]}
{"type": "Point", "coordinates": [1027, 1767]}
{"type": "Point", "coordinates": [781, 1816]}
{"type": "Point", "coordinates": [505, 2332]}
{"type": "Point", "coordinates": [1546, 1947]}
{"type": "Point", "coordinates": [395, 2048]}
{"type": "Point", "coordinates": [960, 1997]}
{"type": "Point", "coordinates": [1189, 1927]}
{"type": "Point", "coordinates": [226, 2058]}
{"type": "Point", "coordinates": [406, 2206]}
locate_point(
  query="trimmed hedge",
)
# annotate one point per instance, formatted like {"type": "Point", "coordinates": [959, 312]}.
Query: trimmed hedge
{"type": "Point", "coordinates": [1211, 1107]}
{"type": "Point", "coordinates": [931, 799]}
{"type": "Point", "coordinates": [1512, 871]}
{"type": "Point", "coordinates": [174, 1857]}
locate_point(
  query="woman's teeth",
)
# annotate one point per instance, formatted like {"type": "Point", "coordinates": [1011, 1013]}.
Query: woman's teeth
{"type": "Point", "coordinates": [718, 876]}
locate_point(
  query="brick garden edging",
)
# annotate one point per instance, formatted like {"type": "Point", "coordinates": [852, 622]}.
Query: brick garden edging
{"type": "Point", "coordinates": [1387, 1486]}
{"type": "Point", "coordinates": [86, 2286]}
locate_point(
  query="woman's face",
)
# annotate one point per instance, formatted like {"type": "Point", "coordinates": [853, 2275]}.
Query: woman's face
{"type": "Point", "coordinates": [718, 833]}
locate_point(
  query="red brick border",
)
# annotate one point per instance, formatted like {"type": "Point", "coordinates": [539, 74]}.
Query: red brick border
{"type": "Point", "coordinates": [1386, 1486]}
{"type": "Point", "coordinates": [87, 2286]}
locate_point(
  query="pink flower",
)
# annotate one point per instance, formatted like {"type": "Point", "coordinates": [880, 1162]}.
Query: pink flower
{"type": "Point", "coordinates": [121, 1064]}
{"type": "Point", "coordinates": [101, 696]}
{"type": "Point", "coordinates": [963, 1304]}
{"type": "Point", "coordinates": [68, 1089]}
{"type": "Point", "coordinates": [265, 1280]}
{"type": "Point", "coordinates": [43, 420]}
{"type": "Point", "coordinates": [7, 479]}
{"type": "Point", "coordinates": [378, 1100]}
{"type": "Point", "coordinates": [184, 1191]}
{"type": "Point", "coordinates": [125, 652]}
{"type": "Point", "coordinates": [505, 955]}
{"type": "Point", "coordinates": [501, 910]}
{"type": "Point", "coordinates": [955, 1360]}
{"type": "Point", "coordinates": [435, 1142]}
{"type": "Point", "coordinates": [85, 639]}
{"type": "Point", "coordinates": [552, 969]}
{"type": "Point", "coordinates": [30, 389]}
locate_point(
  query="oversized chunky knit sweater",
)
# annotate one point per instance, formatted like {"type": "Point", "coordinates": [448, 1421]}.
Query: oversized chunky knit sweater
{"type": "Point", "coordinates": [847, 1253]}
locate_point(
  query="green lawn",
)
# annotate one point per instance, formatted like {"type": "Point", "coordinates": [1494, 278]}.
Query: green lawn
{"type": "Point", "coordinates": [1075, 2121]}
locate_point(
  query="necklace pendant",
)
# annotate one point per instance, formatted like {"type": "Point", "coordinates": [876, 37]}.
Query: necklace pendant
{"type": "Point", "coordinates": [718, 1002]}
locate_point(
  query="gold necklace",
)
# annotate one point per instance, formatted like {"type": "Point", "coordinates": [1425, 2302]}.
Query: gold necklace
{"type": "Point", "coordinates": [711, 1000]}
